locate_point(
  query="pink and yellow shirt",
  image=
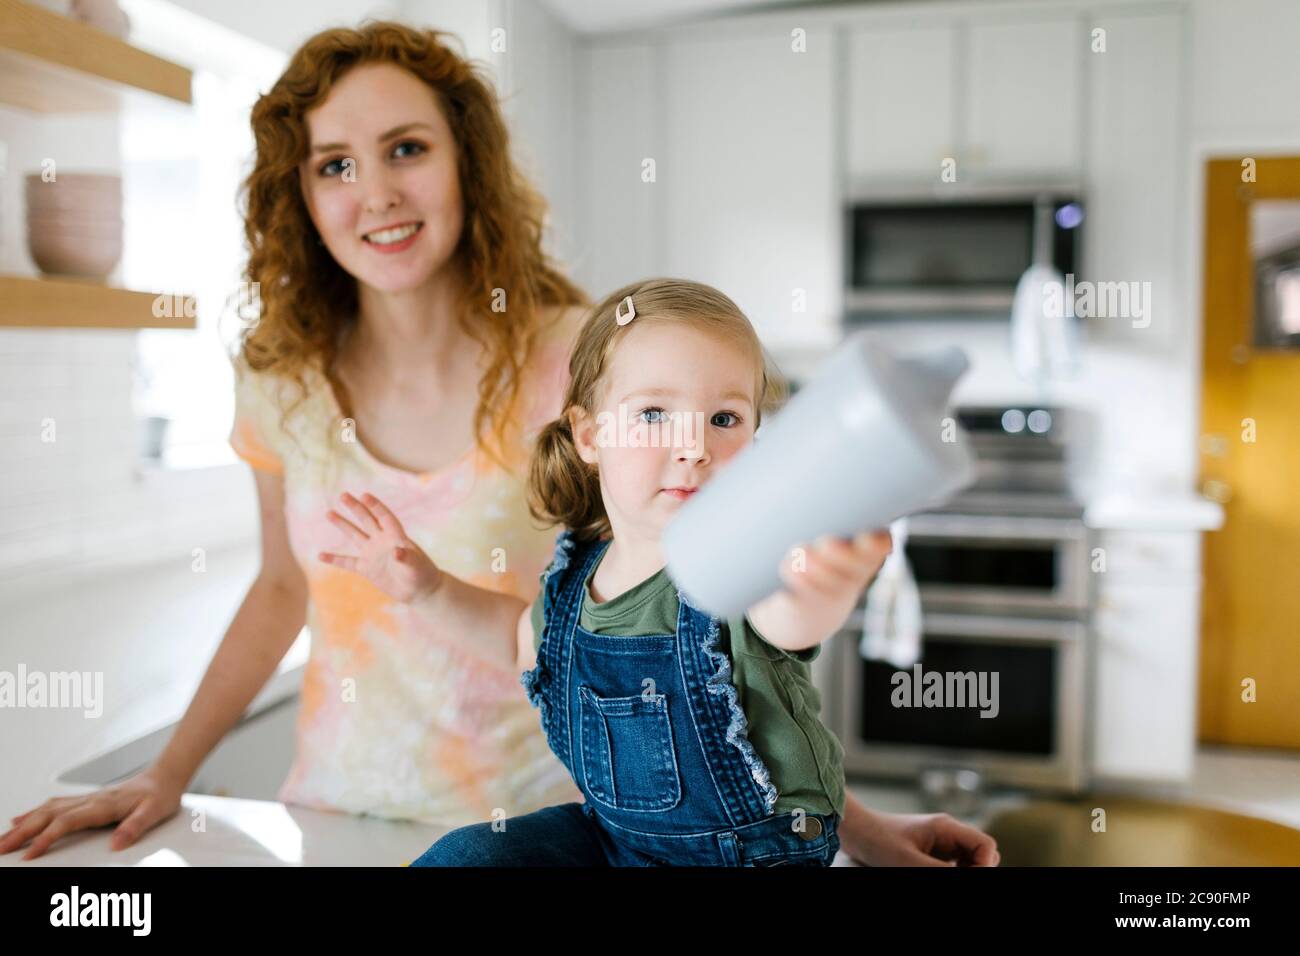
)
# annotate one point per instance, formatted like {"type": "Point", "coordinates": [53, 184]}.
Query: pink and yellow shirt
{"type": "Point", "coordinates": [396, 721]}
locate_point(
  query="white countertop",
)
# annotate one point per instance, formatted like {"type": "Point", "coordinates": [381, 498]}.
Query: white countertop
{"type": "Point", "coordinates": [1156, 511]}
{"type": "Point", "coordinates": [223, 831]}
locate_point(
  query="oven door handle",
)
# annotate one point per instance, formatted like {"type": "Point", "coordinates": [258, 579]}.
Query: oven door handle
{"type": "Point", "coordinates": [1003, 628]}
{"type": "Point", "coordinates": [995, 527]}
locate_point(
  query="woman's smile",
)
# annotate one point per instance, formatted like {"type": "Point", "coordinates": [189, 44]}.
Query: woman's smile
{"type": "Point", "coordinates": [393, 238]}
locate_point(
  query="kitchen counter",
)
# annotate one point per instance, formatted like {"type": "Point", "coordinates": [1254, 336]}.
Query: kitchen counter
{"type": "Point", "coordinates": [224, 831]}
{"type": "Point", "coordinates": [1169, 511]}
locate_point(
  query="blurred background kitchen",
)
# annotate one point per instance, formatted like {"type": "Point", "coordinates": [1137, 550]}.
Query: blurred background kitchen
{"type": "Point", "coordinates": [1127, 561]}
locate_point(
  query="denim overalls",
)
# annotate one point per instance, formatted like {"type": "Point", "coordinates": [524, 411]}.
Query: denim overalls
{"type": "Point", "coordinates": [651, 730]}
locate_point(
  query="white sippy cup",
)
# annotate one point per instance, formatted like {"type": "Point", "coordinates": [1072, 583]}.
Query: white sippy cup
{"type": "Point", "coordinates": [868, 440]}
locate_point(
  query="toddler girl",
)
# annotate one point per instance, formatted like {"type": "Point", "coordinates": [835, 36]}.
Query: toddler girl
{"type": "Point", "coordinates": [694, 741]}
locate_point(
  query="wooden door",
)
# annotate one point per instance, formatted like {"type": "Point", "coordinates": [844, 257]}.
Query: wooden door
{"type": "Point", "coordinates": [1250, 462]}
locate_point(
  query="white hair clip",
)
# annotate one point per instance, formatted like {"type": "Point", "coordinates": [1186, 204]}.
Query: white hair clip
{"type": "Point", "coordinates": [621, 317]}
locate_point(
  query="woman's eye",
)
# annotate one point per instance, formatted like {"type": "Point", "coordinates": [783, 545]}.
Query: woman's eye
{"type": "Point", "coordinates": [325, 170]}
{"type": "Point", "coordinates": [722, 414]}
{"type": "Point", "coordinates": [657, 416]}
{"type": "Point", "coordinates": [418, 147]}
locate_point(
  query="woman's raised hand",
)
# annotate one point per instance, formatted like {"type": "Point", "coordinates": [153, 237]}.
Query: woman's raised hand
{"type": "Point", "coordinates": [385, 555]}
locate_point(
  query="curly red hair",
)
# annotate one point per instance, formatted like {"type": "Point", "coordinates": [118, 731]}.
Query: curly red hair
{"type": "Point", "coordinates": [306, 297]}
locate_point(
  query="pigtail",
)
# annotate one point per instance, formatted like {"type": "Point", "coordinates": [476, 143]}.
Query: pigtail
{"type": "Point", "coordinates": [562, 488]}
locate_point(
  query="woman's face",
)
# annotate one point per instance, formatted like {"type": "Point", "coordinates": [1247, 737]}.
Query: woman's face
{"type": "Point", "coordinates": [382, 162]}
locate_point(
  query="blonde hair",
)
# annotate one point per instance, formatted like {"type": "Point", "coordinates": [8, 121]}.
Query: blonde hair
{"type": "Point", "coordinates": [564, 489]}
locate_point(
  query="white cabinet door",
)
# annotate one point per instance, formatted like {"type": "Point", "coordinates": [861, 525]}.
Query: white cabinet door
{"type": "Point", "coordinates": [620, 213]}
{"type": "Point", "coordinates": [1023, 98]}
{"type": "Point", "coordinates": [748, 177]}
{"type": "Point", "coordinates": [1134, 229]}
{"type": "Point", "coordinates": [901, 122]}
{"type": "Point", "coordinates": [1146, 625]}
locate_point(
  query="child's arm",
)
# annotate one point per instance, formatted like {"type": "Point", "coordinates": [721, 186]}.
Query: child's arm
{"type": "Point", "coordinates": [822, 586]}
{"type": "Point", "coordinates": [485, 623]}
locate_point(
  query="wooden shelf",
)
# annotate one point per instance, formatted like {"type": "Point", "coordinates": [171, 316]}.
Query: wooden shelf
{"type": "Point", "coordinates": [68, 303]}
{"type": "Point", "coordinates": [54, 64]}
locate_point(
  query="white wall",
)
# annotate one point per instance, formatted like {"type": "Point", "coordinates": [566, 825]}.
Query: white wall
{"type": "Point", "coordinates": [538, 87]}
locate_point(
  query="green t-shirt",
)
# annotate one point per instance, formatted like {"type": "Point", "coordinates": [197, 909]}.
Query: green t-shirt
{"type": "Point", "coordinates": [774, 688]}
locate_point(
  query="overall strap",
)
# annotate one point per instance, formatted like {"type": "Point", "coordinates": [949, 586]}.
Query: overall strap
{"type": "Point", "coordinates": [742, 779]}
{"type": "Point", "coordinates": [562, 588]}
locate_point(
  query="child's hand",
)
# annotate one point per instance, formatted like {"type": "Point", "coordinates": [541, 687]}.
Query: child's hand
{"type": "Point", "coordinates": [836, 570]}
{"type": "Point", "coordinates": [387, 557]}
{"type": "Point", "coordinates": [823, 583]}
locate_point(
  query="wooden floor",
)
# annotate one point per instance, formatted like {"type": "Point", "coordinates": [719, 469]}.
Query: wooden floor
{"type": "Point", "coordinates": [1139, 833]}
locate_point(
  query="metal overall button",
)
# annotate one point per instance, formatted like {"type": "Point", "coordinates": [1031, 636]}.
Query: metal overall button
{"type": "Point", "coordinates": [812, 828]}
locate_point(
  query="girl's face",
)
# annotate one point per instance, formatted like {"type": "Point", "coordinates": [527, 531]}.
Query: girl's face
{"type": "Point", "coordinates": [383, 158]}
{"type": "Point", "coordinates": [687, 407]}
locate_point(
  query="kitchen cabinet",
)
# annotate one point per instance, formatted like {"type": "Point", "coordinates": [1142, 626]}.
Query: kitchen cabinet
{"type": "Point", "coordinates": [619, 129]}
{"type": "Point", "coordinates": [1002, 98]}
{"type": "Point", "coordinates": [901, 111]}
{"type": "Point", "coordinates": [1146, 623]}
{"type": "Point", "coordinates": [1023, 97]}
{"type": "Point", "coordinates": [748, 178]}
{"type": "Point", "coordinates": [1136, 224]}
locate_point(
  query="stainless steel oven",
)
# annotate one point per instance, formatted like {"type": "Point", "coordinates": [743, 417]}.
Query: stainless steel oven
{"type": "Point", "coordinates": [1037, 737]}
{"type": "Point", "coordinates": [1003, 574]}
{"type": "Point", "coordinates": [1000, 563]}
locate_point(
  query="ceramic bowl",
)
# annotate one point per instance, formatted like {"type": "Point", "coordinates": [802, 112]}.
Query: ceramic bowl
{"type": "Point", "coordinates": [62, 253]}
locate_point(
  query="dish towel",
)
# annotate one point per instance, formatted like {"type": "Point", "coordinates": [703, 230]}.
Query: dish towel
{"type": "Point", "coordinates": [891, 622]}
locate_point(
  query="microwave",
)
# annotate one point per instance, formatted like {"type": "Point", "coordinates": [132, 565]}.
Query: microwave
{"type": "Point", "coordinates": [951, 251]}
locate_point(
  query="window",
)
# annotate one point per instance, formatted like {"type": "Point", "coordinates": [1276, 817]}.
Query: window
{"type": "Point", "coordinates": [184, 236]}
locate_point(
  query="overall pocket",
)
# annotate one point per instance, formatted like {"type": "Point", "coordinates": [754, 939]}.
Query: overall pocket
{"type": "Point", "coordinates": [628, 761]}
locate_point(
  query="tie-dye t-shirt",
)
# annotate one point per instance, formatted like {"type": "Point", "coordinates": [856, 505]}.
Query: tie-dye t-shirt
{"type": "Point", "coordinates": [396, 721]}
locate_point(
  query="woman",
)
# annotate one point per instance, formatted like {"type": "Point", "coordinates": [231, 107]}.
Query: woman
{"type": "Point", "coordinates": [412, 338]}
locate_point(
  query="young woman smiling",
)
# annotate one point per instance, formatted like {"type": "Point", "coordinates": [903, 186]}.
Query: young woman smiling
{"type": "Point", "coordinates": [412, 337]}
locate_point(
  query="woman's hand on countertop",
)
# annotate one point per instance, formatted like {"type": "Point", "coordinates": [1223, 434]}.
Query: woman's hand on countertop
{"type": "Point", "coordinates": [874, 838]}
{"type": "Point", "coordinates": [385, 555]}
{"type": "Point", "coordinates": [140, 802]}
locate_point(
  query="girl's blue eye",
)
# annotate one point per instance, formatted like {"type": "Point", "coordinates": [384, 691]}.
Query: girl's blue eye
{"type": "Point", "coordinates": [659, 412]}
{"type": "Point", "coordinates": [732, 414]}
